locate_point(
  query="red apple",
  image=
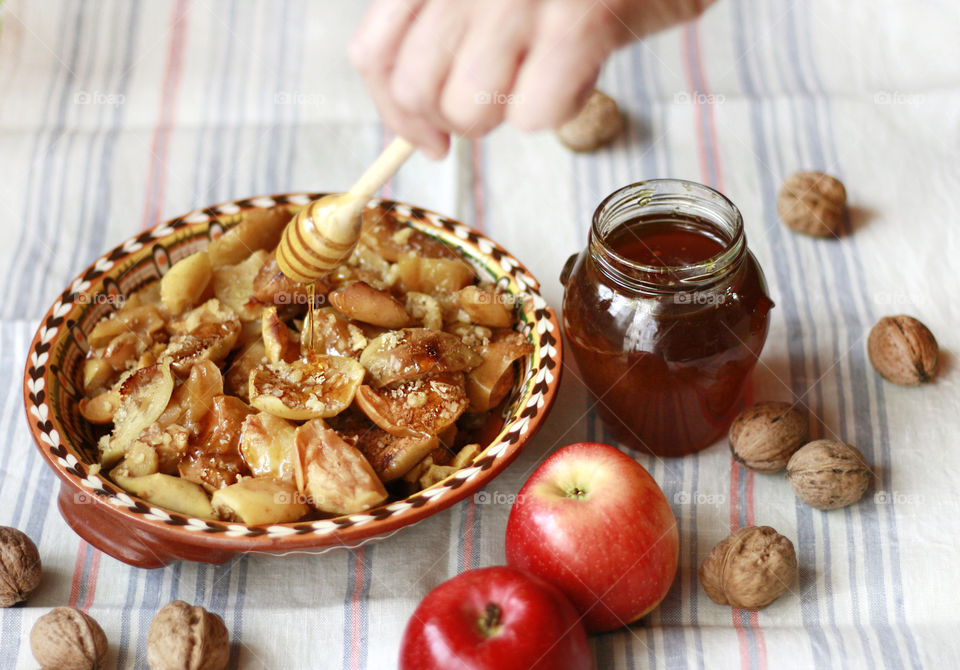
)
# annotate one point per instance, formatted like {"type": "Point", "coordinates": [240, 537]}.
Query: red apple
{"type": "Point", "coordinates": [594, 522]}
{"type": "Point", "coordinates": [496, 618]}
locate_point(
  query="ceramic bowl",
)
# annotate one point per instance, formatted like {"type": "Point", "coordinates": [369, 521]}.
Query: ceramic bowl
{"type": "Point", "coordinates": [134, 531]}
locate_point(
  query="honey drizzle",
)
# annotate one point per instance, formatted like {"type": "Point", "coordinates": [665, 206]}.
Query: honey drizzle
{"type": "Point", "coordinates": [311, 295]}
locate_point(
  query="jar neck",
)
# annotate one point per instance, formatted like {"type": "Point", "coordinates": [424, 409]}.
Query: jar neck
{"type": "Point", "coordinates": [659, 200]}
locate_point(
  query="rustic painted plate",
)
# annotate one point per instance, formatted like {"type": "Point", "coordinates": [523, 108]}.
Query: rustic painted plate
{"type": "Point", "coordinates": [132, 530]}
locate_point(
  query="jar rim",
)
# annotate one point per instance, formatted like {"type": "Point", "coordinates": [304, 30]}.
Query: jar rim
{"type": "Point", "coordinates": [704, 202]}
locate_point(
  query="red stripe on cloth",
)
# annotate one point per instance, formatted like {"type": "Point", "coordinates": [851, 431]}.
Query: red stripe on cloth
{"type": "Point", "coordinates": [157, 175]}
{"type": "Point", "coordinates": [92, 580]}
{"type": "Point", "coordinates": [357, 612]}
{"type": "Point", "coordinates": [77, 574]}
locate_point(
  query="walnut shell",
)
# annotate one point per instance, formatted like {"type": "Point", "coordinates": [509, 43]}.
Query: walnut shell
{"type": "Point", "coordinates": [19, 566]}
{"type": "Point", "coordinates": [827, 474]}
{"type": "Point", "coordinates": [812, 203]}
{"type": "Point", "coordinates": [764, 436]}
{"type": "Point", "coordinates": [186, 637]}
{"type": "Point", "coordinates": [903, 350]}
{"type": "Point", "coordinates": [750, 569]}
{"type": "Point", "coordinates": [67, 639]}
{"type": "Point", "coordinates": [598, 122]}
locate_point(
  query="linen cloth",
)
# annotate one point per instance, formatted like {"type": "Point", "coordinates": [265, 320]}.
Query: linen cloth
{"type": "Point", "coordinates": [115, 115]}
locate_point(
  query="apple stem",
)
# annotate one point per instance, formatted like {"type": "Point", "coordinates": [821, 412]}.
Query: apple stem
{"type": "Point", "coordinates": [489, 624]}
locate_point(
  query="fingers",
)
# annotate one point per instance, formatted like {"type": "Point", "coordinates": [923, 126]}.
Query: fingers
{"type": "Point", "coordinates": [478, 89]}
{"type": "Point", "coordinates": [562, 66]}
{"type": "Point", "coordinates": [424, 61]}
{"type": "Point", "coordinates": [374, 51]}
{"type": "Point", "coordinates": [435, 67]}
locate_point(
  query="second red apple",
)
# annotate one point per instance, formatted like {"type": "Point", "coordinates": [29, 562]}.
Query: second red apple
{"type": "Point", "coordinates": [592, 521]}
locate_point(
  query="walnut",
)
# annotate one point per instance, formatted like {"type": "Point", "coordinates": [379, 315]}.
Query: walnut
{"type": "Point", "coordinates": [827, 474]}
{"type": "Point", "coordinates": [812, 203]}
{"type": "Point", "coordinates": [750, 569]}
{"type": "Point", "coordinates": [903, 350]}
{"type": "Point", "coordinates": [763, 437]}
{"type": "Point", "coordinates": [185, 637]}
{"type": "Point", "coordinates": [598, 122]}
{"type": "Point", "coordinates": [19, 566]}
{"type": "Point", "coordinates": [67, 639]}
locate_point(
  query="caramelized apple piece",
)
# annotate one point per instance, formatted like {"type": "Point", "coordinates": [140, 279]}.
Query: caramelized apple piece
{"type": "Point", "coordinates": [140, 460]}
{"type": "Point", "coordinates": [486, 306]}
{"type": "Point", "coordinates": [272, 287]}
{"type": "Point", "coordinates": [237, 379]}
{"type": "Point", "coordinates": [391, 456]}
{"type": "Point", "coordinates": [406, 354]}
{"type": "Point", "coordinates": [267, 446]}
{"type": "Point", "coordinates": [430, 275]}
{"type": "Point", "coordinates": [143, 397]}
{"type": "Point", "coordinates": [489, 383]}
{"type": "Point", "coordinates": [416, 408]}
{"type": "Point", "coordinates": [185, 282]}
{"type": "Point", "coordinates": [317, 386]}
{"type": "Point", "coordinates": [207, 332]}
{"type": "Point", "coordinates": [233, 285]}
{"type": "Point", "coordinates": [279, 343]}
{"type": "Point", "coordinates": [333, 334]}
{"type": "Point", "coordinates": [192, 400]}
{"type": "Point", "coordinates": [214, 459]}
{"type": "Point", "coordinates": [258, 229]}
{"type": "Point", "coordinates": [256, 500]}
{"type": "Point", "coordinates": [168, 492]}
{"type": "Point", "coordinates": [333, 474]}
{"type": "Point", "coordinates": [142, 320]}
{"type": "Point", "coordinates": [97, 373]}
{"type": "Point", "coordinates": [361, 302]}
{"type": "Point", "coordinates": [170, 443]}
{"type": "Point", "coordinates": [101, 408]}
{"type": "Point", "coordinates": [389, 238]}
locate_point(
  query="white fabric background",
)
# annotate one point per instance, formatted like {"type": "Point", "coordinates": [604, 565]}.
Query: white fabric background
{"type": "Point", "coordinates": [115, 115]}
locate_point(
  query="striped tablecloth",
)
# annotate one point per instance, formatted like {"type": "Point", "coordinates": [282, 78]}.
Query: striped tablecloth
{"type": "Point", "coordinates": [116, 114]}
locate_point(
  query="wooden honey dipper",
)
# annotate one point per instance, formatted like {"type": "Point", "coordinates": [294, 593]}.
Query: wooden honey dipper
{"type": "Point", "coordinates": [323, 234]}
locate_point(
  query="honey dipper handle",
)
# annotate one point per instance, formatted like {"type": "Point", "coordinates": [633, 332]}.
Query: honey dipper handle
{"type": "Point", "coordinates": [382, 169]}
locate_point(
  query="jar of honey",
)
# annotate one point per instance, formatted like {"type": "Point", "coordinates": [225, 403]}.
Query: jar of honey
{"type": "Point", "coordinates": [665, 312]}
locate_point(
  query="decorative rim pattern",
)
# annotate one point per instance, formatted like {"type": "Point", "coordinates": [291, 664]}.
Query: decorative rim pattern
{"type": "Point", "coordinates": [51, 388]}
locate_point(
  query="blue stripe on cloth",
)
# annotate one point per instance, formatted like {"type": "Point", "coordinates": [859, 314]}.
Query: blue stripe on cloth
{"type": "Point", "coordinates": [126, 626]}
{"type": "Point", "coordinates": [855, 276]}
{"type": "Point", "coordinates": [786, 300]}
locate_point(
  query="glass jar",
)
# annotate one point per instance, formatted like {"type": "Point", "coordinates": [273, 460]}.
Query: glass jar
{"type": "Point", "coordinates": [665, 312]}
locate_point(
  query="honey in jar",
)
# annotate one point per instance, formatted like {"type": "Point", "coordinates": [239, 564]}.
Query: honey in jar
{"type": "Point", "coordinates": [665, 312]}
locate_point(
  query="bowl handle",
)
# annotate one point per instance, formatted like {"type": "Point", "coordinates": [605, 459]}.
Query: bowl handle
{"type": "Point", "coordinates": [92, 520]}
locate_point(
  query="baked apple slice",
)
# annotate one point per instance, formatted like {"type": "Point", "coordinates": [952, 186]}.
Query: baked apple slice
{"type": "Point", "coordinates": [316, 386]}
{"type": "Point", "coordinates": [416, 408]}
{"type": "Point", "coordinates": [333, 474]}
{"type": "Point", "coordinates": [266, 444]}
{"type": "Point", "coordinates": [401, 355]}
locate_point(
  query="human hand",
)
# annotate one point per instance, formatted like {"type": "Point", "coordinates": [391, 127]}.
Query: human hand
{"type": "Point", "coordinates": [435, 67]}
